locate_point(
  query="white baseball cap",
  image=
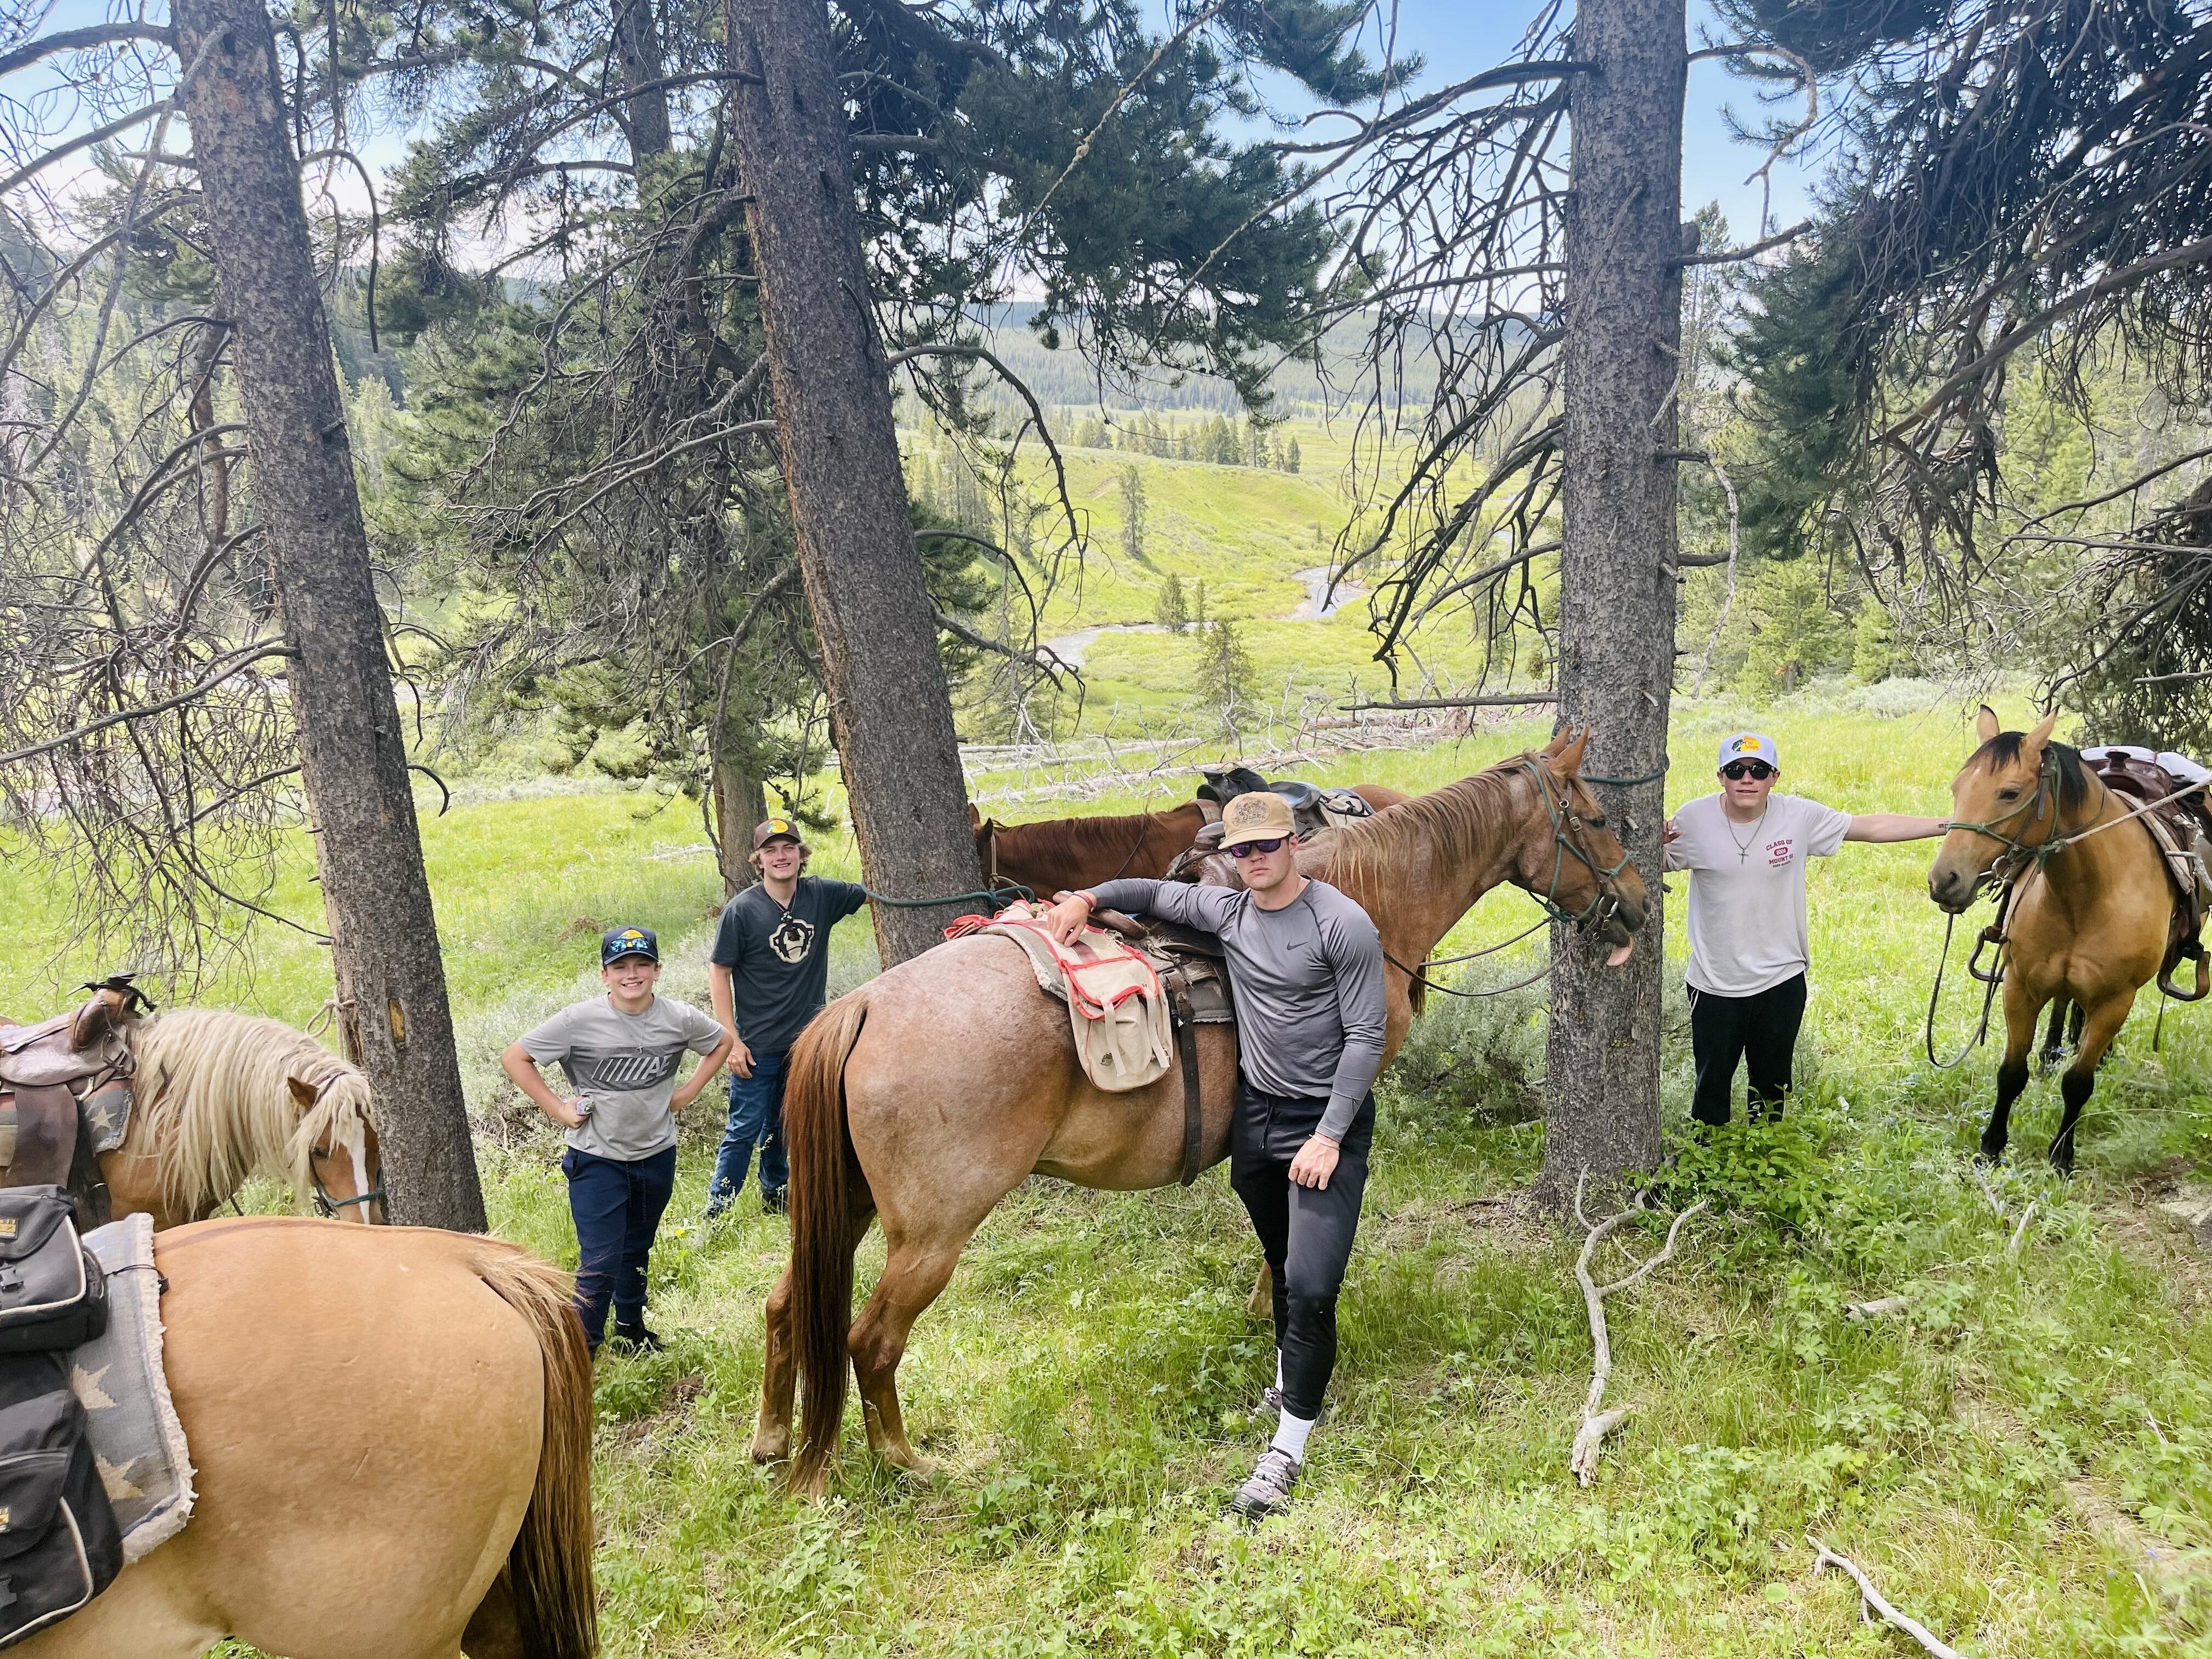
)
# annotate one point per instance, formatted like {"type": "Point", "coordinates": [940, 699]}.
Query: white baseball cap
{"type": "Point", "coordinates": [1750, 745]}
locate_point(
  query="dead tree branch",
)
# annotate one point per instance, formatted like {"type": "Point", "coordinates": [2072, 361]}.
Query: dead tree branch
{"type": "Point", "coordinates": [1597, 1423]}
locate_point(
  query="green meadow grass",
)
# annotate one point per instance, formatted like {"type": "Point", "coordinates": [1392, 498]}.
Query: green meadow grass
{"type": "Point", "coordinates": [1089, 1382]}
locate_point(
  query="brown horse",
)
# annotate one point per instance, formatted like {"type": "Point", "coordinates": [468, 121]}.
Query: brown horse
{"type": "Point", "coordinates": [2085, 920]}
{"type": "Point", "coordinates": [391, 1430]}
{"type": "Point", "coordinates": [929, 1094]}
{"type": "Point", "coordinates": [1056, 854]}
{"type": "Point", "coordinates": [216, 1094]}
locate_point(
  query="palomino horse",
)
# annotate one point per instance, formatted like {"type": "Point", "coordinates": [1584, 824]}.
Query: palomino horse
{"type": "Point", "coordinates": [929, 1094]}
{"type": "Point", "coordinates": [391, 1431]}
{"type": "Point", "coordinates": [2084, 918]}
{"type": "Point", "coordinates": [216, 1094]}
{"type": "Point", "coordinates": [1056, 853]}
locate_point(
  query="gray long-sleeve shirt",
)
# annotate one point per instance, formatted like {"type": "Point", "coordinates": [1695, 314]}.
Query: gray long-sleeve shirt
{"type": "Point", "coordinates": [1306, 979]}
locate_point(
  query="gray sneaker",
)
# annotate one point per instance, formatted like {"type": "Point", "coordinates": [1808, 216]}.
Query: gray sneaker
{"type": "Point", "coordinates": [1268, 1492]}
{"type": "Point", "coordinates": [1271, 1398]}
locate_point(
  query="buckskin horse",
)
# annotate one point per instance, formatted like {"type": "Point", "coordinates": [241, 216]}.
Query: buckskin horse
{"type": "Point", "coordinates": [391, 1430]}
{"type": "Point", "coordinates": [216, 1094]}
{"type": "Point", "coordinates": [929, 1094]}
{"type": "Point", "coordinates": [1056, 853]}
{"type": "Point", "coordinates": [2087, 907]}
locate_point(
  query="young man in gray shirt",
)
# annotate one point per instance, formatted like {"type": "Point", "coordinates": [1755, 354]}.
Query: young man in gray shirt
{"type": "Point", "coordinates": [621, 1053]}
{"type": "Point", "coordinates": [1306, 975]}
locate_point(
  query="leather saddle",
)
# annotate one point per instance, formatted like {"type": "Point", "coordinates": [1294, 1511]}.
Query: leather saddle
{"type": "Point", "coordinates": [1312, 808]}
{"type": "Point", "coordinates": [58, 1076]}
{"type": "Point", "coordinates": [2182, 829]}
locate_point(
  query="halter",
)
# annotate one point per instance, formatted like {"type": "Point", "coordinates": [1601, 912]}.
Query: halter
{"type": "Point", "coordinates": [1566, 837]}
{"type": "Point", "coordinates": [326, 1206]}
{"type": "Point", "coordinates": [2021, 854]}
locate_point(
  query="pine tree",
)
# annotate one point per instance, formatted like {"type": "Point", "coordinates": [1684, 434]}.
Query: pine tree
{"type": "Point", "coordinates": [1227, 679]}
{"type": "Point", "coordinates": [1171, 610]}
{"type": "Point", "coordinates": [1198, 605]}
{"type": "Point", "coordinates": [1290, 456]}
{"type": "Point", "coordinates": [1133, 514]}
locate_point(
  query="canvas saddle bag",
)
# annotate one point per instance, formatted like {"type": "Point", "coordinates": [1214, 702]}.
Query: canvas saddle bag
{"type": "Point", "coordinates": [1117, 1008]}
{"type": "Point", "coordinates": [53, 1293]}
{"type": "Point", "coordinates": [59, 1546]}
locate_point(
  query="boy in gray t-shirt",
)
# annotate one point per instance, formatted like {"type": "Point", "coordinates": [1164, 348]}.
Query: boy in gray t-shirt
{"type": "Point", "coordinates": [621, 1053]}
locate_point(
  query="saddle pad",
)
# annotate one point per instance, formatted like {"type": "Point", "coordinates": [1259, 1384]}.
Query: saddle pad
{"type": "Point", "coordinates": [1116, 1007]}
{"type": "Point", "coordinates": [130, 1419]}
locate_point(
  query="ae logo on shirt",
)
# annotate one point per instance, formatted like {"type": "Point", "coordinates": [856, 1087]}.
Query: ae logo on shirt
{"type": "Point", "coordinates": [791, 938]}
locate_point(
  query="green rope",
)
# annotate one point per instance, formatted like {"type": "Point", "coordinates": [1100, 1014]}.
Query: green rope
{"type": "Point", "coordinates": [1011, 888]}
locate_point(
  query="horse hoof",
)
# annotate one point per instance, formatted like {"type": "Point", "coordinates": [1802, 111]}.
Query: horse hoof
{"type": "Point", "coordinates": [1989, 1156]}
{"type": "Point", "coordinates": [912, 1466]}
{"type": "Point", "coordinates": [771, 1449]}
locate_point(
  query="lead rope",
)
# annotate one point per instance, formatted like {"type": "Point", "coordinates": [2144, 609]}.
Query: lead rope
{"type": "Point", "coordinates": [1989, 996]}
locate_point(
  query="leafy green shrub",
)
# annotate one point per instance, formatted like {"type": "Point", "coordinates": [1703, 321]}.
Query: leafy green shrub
{"type": "Point", "coordinates": [1484, 1057]}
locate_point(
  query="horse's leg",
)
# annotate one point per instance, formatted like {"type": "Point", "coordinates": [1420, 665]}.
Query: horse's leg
{"type": "Point", "coordinates": [2103, 1025]}
{"type": "Point", "coordinates": [779, 1372]}
{"type": "Point", "coordinates": [1261, 1304]}
{"type": "Point", "coordinates": [2021, 1007]}
{"type": "Point", "coordinates": [916, 1268]}
{"type": "Point", "coordinates": [2054, 1045]}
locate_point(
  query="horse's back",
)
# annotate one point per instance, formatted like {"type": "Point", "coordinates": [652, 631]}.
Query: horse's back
{"type": "Point", "coordinates": [365, 1418]}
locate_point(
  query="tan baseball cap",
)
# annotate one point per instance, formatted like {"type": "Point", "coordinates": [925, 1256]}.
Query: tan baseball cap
{"type": "Point", "coordinates": [769, 829]}
{"type": "Point", "coordinates": [1262, 815]}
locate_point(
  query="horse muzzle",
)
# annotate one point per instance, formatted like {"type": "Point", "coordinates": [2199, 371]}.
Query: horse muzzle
{"type": "Point", "coordinates": [1955, 891]}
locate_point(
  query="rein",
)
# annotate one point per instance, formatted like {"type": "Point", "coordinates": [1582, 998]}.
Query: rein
{"type": "Point", "coordinates": [1565, 839]}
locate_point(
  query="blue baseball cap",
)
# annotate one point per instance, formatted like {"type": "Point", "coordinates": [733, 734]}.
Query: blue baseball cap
{"type": "Point", "coordinates": [619, 942]}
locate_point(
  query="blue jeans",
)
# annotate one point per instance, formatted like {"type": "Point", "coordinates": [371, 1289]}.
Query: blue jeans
{"type": "Point", "coordinates": [617, 1205]}
{"type": "Point", "coordinates": [756, 1118]}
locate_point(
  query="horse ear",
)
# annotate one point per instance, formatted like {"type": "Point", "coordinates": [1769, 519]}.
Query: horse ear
{"type": "Point", "coordinates": [2031, 746]}
{"type": "Point", "coordinates": [1569, 757]}
{"type": "Point", "coordinates": [1558, 741]}
{"type": "Point", "coordinates": [975, 818]}
{"type": "Point", "coordinates": [1986, 723]}
{"type": "Point", "coordinates": [302, 1091]}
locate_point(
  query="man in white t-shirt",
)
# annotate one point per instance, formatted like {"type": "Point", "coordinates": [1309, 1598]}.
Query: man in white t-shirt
{"type": "Point", "coordinates": [1745, 850]}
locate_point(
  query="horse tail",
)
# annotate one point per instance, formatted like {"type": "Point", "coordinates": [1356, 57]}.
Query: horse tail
{"type": "Point", "coordinates": [824, 1174]}
{"type": "Point", "coordinates": [548, 1567]}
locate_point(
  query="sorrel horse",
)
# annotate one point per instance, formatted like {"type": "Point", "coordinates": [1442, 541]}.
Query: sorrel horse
{"type": "Point", "coordinates": [216, 1094]}
{"type": "Point", "coordinates": [391, 1430]}
{"type": "Point", "coordinates": [1057, 854]}
{"type": "Point", "coordinates": [2087, 906]}
{"type": "Point", "coordinates": [929, 1094]}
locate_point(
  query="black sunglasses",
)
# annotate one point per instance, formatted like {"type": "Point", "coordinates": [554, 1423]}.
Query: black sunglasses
{"type": "Point", "coordinates": [1244, 849]}
{"type": "Point", "coordinates": [1736, 770]}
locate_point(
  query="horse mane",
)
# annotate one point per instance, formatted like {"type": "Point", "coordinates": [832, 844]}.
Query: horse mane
{"type": "Point", "coordinates": [1462, 823]}
{"type": "Point", "coordinates": [212, 1095]}
{"type": "Point", "coordinates": [2003, 750]}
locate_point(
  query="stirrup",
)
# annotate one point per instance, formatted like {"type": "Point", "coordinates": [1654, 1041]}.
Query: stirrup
{"type": "Point", "coordinates": [2195, 952]}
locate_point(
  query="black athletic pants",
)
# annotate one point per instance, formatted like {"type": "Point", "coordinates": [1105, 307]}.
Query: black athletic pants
{"type": "Point", "coordinates": [1305, 1232]}
{"type": "Point", "coordinates": [1761, 1029]}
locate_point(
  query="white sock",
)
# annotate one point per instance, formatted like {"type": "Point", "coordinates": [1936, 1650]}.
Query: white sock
{"type": "Point", "coordinates": [1279, 1371]}
{"type": "Point", "coordinates": [1291, 1434]}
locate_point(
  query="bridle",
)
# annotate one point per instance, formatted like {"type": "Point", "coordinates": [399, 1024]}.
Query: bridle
{"type": "Point", "coordinates": [1567, 832]}
{"type": "Point", "coordinates": [325, 1206]}
{"type": "Point", "coordinates": [1567, 838]}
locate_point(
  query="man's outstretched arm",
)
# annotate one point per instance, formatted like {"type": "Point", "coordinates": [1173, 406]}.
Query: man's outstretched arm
{"type": "Point", "coordinates": [1894, 826]}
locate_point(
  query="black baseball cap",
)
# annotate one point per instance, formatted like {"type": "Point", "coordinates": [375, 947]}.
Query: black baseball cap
{"type": "Point", "coordinates": [619, 942]}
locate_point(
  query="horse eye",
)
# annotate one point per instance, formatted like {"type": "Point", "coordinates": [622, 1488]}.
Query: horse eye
{"type": "Point", "coordinates": [1597, 823]}
{"type": "Point", "coordinates": [2008, 794]}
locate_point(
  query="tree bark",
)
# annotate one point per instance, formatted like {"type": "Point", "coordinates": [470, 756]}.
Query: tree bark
{"type": "Point", "coordinates": [1617, 581]}
{"type": "Point", "coordinates": [740, 804]}
{"type": "Point", "coordinates": [391, 978]}
{"type": "Point", "coordinates": [891, 711]}
{"type": "Point", "coordinates": [637, 54]}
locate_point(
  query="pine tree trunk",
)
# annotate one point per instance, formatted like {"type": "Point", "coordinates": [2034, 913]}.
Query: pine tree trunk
{"type": "Point", "coordinates": [637, 52]}
{"type": "Point", "coordinates": [740, 804]}
{"type": "Point", "coordinates": [352, 754]}
{"type": "Point", "coordinates": [890, 709]}
{"type": "Point", "coordinates": [1617, 582]}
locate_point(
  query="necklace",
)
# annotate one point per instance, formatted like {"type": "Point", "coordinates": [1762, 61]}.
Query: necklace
{"type": "Point", "coordinates": [1743, 847]}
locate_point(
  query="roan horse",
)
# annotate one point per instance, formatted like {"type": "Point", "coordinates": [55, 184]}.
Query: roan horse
{"type": "Point", "coordinates": [2086, 921]}
{"type": "Point", "coordinates": [391, 1431]}
{"type": "Point", "coordinates": [929, 1094]}
{"type": "Point", "coordinates": [1056, 854]}
{"type": "Point", "coordinates": [216, 1094]}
